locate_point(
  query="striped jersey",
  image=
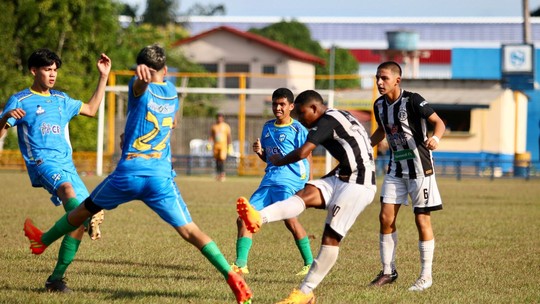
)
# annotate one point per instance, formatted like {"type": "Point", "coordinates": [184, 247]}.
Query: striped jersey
{"type": "Point", "coordinates": [348, 142]}
{"type": "Point", "coordinates": [283, 139]}
{"type": "Point", "coordinates": [43, 133]}
{"type": "Point", "coordinates": [146, 150]}
{"type": "Point", "coordinates": [405, 124]}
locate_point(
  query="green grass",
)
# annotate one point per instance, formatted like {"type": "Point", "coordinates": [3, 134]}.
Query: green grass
{"type": "Point", "coordinates": [487, 249]}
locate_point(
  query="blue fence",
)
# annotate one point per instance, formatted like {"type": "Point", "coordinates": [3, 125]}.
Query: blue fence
{"type": "Point", "coordinates": [492, 169]}
{"type": "Point", "coordinates": [204, 165]}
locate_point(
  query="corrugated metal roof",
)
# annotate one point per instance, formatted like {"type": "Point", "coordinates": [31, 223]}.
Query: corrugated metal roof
{"type": "Point", "coordinates": [371, 32]}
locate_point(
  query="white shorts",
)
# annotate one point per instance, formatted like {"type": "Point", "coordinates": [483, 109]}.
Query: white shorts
{"type": "Point", "coordinates": [424, 192]}
{"type": "Point", "coordinates": [344, 201]}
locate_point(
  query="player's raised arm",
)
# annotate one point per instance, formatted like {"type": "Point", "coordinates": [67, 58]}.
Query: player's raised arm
{"type": "Point", "coordinates": [104, 67]}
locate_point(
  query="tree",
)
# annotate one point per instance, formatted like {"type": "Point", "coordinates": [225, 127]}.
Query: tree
{"type": "Point", "coordinates": [77, 30]}
{"type": "Point", "coordinates": [536, 12]}
{"type": "Point", "coordinates": [207, 10]}
{"type": "Point", "coordinates": [297, 35]}
{"type": "Point", "coordinates": [160, 12]}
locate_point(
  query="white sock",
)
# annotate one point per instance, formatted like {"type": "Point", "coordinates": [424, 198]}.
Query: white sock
{"type": "Point", "coordinates": [387, 247]}
{"type": "Point", "coordinates": [426, 248]}
{"type": "Point", "coordinates": [282, 210]}
{"type": "Point", "coordinates": [319, 269]}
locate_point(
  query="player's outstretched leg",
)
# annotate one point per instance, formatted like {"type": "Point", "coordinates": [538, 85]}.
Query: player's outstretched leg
{"type": "Point", "coordinates": [241, 290]}
{"type": "Point", "coordinates": [298, 297]}
{"type": "Point", "coordinates": [93, 227]}
{"type": "Point", "coordinates": [34, 236]}
{"type": "Point", "coordinates": [248, 214]}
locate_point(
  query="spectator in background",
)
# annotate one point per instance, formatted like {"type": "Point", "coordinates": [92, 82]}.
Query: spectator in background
{"type": "Point", "coordinates": [220, 137]}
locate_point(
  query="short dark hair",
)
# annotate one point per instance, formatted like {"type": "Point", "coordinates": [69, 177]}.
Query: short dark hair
{"type": "Point", "coordinates": [152, 56]}
{"type": "Point", "coordinates": [308, 96]}
{"type": "Point", "coordinates": [283, 93]}
{"type": "Point", "coordinates": [43, 58]}
{"type": "Point", "coordinates": [390, 65]}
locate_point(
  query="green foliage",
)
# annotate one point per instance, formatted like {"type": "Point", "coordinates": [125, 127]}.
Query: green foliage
{"type": "Point", "coordinates": [297, 35]}
{"type": "Point", "coordinates": [78, 31]}
{"type": "Point", "coordinates": [10, 141]}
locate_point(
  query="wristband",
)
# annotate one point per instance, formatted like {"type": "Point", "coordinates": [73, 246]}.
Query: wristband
{"type": "Point", "coordinates": [436, 138]}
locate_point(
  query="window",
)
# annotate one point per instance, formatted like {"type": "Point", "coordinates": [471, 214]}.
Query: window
{"type": "Point", "coordinates": [455, 120]}
{"type": "Point", "coordinates": [269, 69]}
{"type": "Point", "coordinates": [234, 81]}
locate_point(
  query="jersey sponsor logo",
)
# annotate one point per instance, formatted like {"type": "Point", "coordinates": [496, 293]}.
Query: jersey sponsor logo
{"type": "Point", "coordinates": [48, 128]}
{"type": "Point", "coordinates": [403, 154]}
{"type": "Point", "coordinates": [273, 150]}
{"type": "Point", "coordinates": [40, 110]}
{"type": "Point", "coordinates": [402, 115]}
{"type": "Point", "coordinates": [161, 108]}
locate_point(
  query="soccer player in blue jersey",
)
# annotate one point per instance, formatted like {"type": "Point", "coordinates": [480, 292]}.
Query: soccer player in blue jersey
{"type": "Point", "coordinates": [144, 171]}
{"type": "Point", "coordinates": [280, 135]}
{"type": "Point", "coordinates": [41, 115]}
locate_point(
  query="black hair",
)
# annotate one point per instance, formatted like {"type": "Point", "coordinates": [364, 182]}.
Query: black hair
{"type": "Point", "coordinates": [392, 66]}
{"type": "Point", "coordinates": [308, 96]}
{"type": "Point", "coordinates": [43, 58]}
{"type": "Point", "coordinates": [152, 56]}
{"type": "Point", "coordinates": [283, 93]}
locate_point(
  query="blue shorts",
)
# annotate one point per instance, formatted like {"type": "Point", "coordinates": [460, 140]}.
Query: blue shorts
{"type": "Point", "coordinates": [50, 177]}
{"type": "Point", "coordinates": [159, 193]}
{"type": "Point", "coordinates": [267, 195]}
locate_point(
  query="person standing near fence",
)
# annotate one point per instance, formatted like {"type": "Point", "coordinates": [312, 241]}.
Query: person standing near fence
{"type": "Point", "coordinates": [402, 118]}
{"type": "Point", "coordinates": [220, 137]}
{"type": "Point", "coordinates": [280, 135]}
{"type": "Point", "coordinates": [42, 115]}
{"type": "Point", "coordinates": [144, 171]}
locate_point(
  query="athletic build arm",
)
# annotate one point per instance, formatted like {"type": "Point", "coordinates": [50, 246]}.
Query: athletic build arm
{"type": "Point", "coordinates": [377, 136]}
{"type": "Point", "coordinates": [297, 154]}
{"type": "Point", "coordinates": [104, 67]}
{"type": "Point", "coordinates": [433, 142]}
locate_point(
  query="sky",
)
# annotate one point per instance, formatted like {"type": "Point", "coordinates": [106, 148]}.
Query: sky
{"type": "Point", "coordinates": [358, 8]}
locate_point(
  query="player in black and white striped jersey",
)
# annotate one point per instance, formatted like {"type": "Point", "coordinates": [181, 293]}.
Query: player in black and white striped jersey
{"type": "Point", "coordinates": [344, 192]}
{"type": "Point", "coordinates": [402, 118]}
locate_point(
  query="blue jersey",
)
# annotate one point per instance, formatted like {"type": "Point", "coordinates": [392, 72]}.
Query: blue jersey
{"type": "Point", "coordinates": [43, 133]}
{"type": "Point", "coordinates": [282, 139]}
{"type": "Point", "coordinates": [150, 117]}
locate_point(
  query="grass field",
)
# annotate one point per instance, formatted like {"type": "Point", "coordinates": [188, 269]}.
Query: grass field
{"type": "Point", "coordinates": [487, 249]}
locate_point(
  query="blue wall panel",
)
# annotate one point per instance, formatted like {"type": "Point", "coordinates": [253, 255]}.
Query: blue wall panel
{"type": "Point", "coordinates": [469, 63]}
